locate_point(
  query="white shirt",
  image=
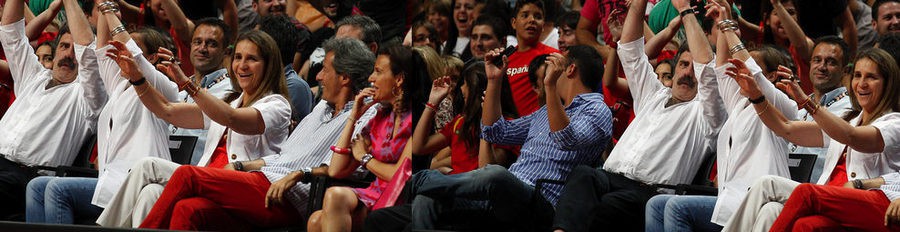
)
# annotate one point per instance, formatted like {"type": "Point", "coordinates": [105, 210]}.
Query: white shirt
{"type": "Point", "coordinates": [867, 165]}
{"type": "Point", "coordinates": [276, 114]}
{"type": "Point", "coordinates": [47, 126]}
{"type": "Point", "coordinates": [655, 149]}
{"type": "Point", "coordinates": [128, 131]}
{"type": "Point", "coordinates": [746, 148]}
{"type": "Point", "coordinates": [217, 84]}
{"type": "Point", "coordinates": [552, 39]}
{"type": "Point", "coordinates": [461, 44]}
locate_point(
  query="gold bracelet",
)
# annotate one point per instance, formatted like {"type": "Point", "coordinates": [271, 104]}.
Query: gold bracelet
{"type": "Point", "coordinates": [146, 89]}
{"type": "Point", "coordinates": [763, 111]}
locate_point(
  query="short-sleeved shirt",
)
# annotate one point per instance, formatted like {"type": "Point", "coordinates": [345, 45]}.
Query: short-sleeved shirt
{"type": "Point", "coordinates": [523, 94]}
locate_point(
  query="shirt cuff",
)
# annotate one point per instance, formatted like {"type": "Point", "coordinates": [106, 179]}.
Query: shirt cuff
{"type": "Point", "coordinates": [891, 178]}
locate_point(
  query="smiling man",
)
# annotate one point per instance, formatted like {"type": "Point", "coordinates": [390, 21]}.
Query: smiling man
{"type": "Point", "coordinates": [886, 16]}
{"type": "Point", "coordinates": [528, 23]}
{"type": "Point", "coordinates": [208, 48]}
{"type": "Point", "coordinates": [55, 110]}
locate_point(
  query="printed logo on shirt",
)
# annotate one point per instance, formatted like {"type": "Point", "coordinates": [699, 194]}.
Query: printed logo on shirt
{"type": "Point", "coordinates": [515, 71]}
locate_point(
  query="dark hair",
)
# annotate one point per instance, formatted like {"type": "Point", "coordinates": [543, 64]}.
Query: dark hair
{"type": "Point", "coordinates": [153, 39]}
{"type": "Point", "coordinates": [227, 36]}
{"type": "Point", "coordinates": [434, 36]}
{"type": "Point", "coordinates": [371, 31]}
{"type": "Point", "coordinates": [589, 63]}
{"type": "Point", "coordinates": [521, 3]}
{"type": "Point", "coordinates": [834, 40]}
{"type": "Point", "coordinates": [551, 10]}
{"type": "Point", "coordinates": [62, 31]}
{"type": "Point", "coordinates": [474, 77]}
{"type": "Point", "coordinates": [890, 43]}
{"type": "Point", "coordinates": [285, 33]}
{"type": "Point", "coordinates": [569, 19]}
{"type": "Point", "coordinates": [774, 56]}
{"type": "Point", "coordinates": [495, 8]}
{"type": "Point", "coordinates": [890, 98]}
{"type": "Point", "coordinates": [416, 84]}
{"type": "Point", "coordinates": [533, 66]}
{"type": "Point", "coordinates": [273, 81]}
{"type": "Point", "coordinates": [351, 58]}
{"type": "Point", "coordinates": [499, 26]}
{"type": "Point", "coordinates": [50, 43]}
{"type": "Point", "coordinates": [877, 4]}
{"type": "Point", "coordinates": [681, 50]}
{"type": "Point", "coordinates": [87, 7]}
{"type": "Point", "coordinates": [768, 36]}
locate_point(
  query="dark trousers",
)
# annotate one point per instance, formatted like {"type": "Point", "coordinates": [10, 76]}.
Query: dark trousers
{"type": "Point", "coordinates": [391, 219]}
{"type": "Point", "coordinates": [13, 179]}
{"type": "Point", "coordinates": [596, 200]}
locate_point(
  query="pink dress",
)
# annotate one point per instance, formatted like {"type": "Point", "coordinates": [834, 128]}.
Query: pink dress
{"type": "Point", "coordinates": [385, 148]}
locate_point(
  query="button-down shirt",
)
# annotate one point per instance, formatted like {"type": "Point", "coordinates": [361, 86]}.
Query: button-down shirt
{"type": "Point", "coordinates": [746, 148]}
{"type": "Point", "coordinates": [552, 155]}
{"type": "Point", "coordinates": [837, 102]}
{"type": "Point", "coordinates": [47, 126]}
{"type": "Point", "coordinates": [308, 146]}
{"type": "Point", "coordinates": [655, 149]}
{"type": "Point", "coordinates": [216, 83]}
{"type": "Point", "coordinates": [128, 131]}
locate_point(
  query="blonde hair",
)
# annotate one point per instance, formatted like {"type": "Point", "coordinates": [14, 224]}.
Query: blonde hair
{"type": "Point", "coordinates": [435, 64]}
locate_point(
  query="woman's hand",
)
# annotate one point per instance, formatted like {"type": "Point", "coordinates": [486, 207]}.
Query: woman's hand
{"type": "Point", "coordinates": [359, 103]}
{"type": "Point", "coordinates": [614, 22]}
{"type": "Point", "coordinates": [440, 87]}
{"type": "Point", "coordinates": [744, 79]}
{"type": "Point", "coordinates": [170, 67]}
{"type": "Point", "coordinates": [717, 11]}
{"type": "Point", "coordinates": [787, 82]}
{"type": "Point", "coordinates": [360, 147]}
{"type": "Point", "coordinates": [124, 59]}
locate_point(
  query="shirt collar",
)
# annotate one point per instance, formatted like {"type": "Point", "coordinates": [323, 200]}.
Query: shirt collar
{"type": "Point", "coordinates": [585, 98]}
{"type": "Point", "coordinates": [211, 77]}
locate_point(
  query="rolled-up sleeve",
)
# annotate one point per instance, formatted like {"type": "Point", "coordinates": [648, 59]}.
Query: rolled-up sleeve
{"type": "Point", "coordinates": [507, 132]}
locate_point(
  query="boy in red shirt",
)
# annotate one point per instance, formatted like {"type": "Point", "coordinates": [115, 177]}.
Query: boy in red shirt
{"type": "Point", "coordinates": [527, 23]}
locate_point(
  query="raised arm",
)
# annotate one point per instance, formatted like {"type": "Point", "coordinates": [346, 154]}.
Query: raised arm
{"type": "Point", "coordinates": [342, 163]}
{"type": "Point", "coordinates": [182, 25]}
{"type": "Point", "coordinates": [642, 81]}
{"type": "Point", "coordinates": [556, 113]}
{"type": "Point", "coordinates": [802, 133]}
{"type": "Point", "coordinates": [182, 115]}
{"type": "Point", "coordinates": [229, 15]}
{"type": "Point", "coordinates": [696, 38]}
{"type": "Point", "coordinates": [78, 23]}
{"type": "Point", "coordinates": [656, 43]}
{"type": "Point", "coordinates": [424, 142]}
{"type": "Point", "coordinates": [37, 25]}
{"type": "Point", "coordinates": [632, 28]}
{"type": "Point", "coordinates": [12, 12]}
{"type": "Point", "coordinates": [848, 28]}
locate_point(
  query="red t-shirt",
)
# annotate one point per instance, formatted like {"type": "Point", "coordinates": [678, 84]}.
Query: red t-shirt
{"type": "Point", "coordinates": [523, 94]}
{"type": "Point", "coordinates": [838, 177]}
{"type": "Point", "coordinates": [462, 159]}
{"type": "Point", "coordinates": [220, 155]}
{"type": "Point", "coordinates": [596, 11]}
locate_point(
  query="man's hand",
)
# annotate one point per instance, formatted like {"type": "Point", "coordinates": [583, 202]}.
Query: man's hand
{"type": "Point", "coordinates": [277, 190]}
{"type": "Point", "coordinates": [229, 166]}
{"type": "Point", "coordinates": [492, 71]}
{"type": "Point", "coordinates": [556, 63]}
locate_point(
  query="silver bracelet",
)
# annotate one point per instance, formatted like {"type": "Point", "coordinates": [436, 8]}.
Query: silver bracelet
{"type": "Point", "coordinates": [736, 48]}
{"type": "Point", "coordinates": [365, 160]}
{"type": "Point", "coordinates": [117, 30]}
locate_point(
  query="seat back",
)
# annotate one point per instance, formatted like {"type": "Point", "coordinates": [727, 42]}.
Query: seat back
{"type": "Point", "coordinates": [801, 166]}
{"type": "Point", "coordinates": [702, 176]}
{"type": "Point", "coordinates": [83, 159]}
{"type": "Point", "coordinates": [181, 148]}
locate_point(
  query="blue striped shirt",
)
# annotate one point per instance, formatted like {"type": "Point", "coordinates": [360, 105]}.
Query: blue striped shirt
{"type": "Point", "coordinates": [308, 146]}
{"type": "Point", "coordinates": [552, 155]}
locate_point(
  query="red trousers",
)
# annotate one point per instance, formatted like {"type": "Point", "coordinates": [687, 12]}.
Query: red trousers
{"type": "Point", "coordinates": [830, 208]}
{"type": "Point", "coordinates": [199, 198]}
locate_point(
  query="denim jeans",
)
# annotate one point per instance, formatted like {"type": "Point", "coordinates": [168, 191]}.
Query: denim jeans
{"type": "Point", "coordinates": [59, 199]}
{"type": "Point", "coordinates": [511, 201]}
{"type": "Point", "coordinates": [680, 213]}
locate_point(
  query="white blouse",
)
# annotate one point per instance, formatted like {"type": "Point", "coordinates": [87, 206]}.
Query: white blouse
{"type": "Point", "coordinates": [276, 114]}
{"type": "Point", "coordinates": [746, 148]}
{"type": "Point", "coordinates": [128, 131]}
{"type": "Point", "coordinates": [866, 165]}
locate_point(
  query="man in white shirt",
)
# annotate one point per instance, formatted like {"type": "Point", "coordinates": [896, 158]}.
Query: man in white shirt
{"type": "Point", "coordinates": [55, 110]}
{"type": "Point", "coordinates": [208, 49]}
{"type": "Point", "coordinates": [653, 150]}
{"type": "Point", "coordinates": [826, 69]}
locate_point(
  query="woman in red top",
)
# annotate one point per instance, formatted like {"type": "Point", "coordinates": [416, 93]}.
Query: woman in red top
{"type": "Point", "coordinates": [467, 151]}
